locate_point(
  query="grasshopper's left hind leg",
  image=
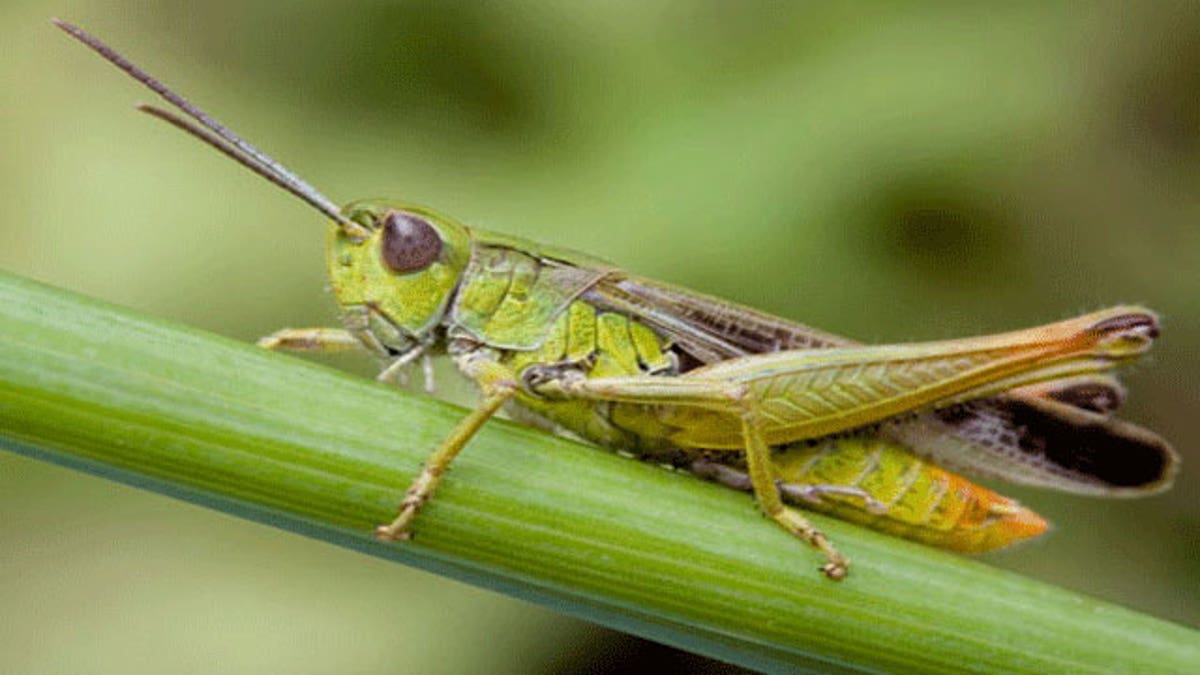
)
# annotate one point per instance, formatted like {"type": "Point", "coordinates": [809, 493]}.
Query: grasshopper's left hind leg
{"type": "Point", "coordinates": [766, 491]}
{"type": "Point", "coordinates": [498, 385]}
{"type": "Point", "coordinates": [733, 399]}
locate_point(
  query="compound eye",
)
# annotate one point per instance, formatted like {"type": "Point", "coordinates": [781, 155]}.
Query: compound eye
{"type": "Point", "coordinates": [409, 242]}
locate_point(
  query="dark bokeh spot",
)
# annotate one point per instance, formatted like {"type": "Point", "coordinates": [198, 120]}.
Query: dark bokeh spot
{"type": "Point", "coordinates": [1159, 109]}
{"type": "Point", "coordinates": [432, 59]}
{"type": "Point", "coordinates": [619, 653]}
{"type": "Point", "coordinates": [418, 63]}
{"type": "Point", "coordinates": [937, 228]}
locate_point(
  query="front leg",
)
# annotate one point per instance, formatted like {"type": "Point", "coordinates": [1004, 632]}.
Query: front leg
{"type": "Point", "coordinates": [329, 340]}
{"type": "Point", "coordinates": [498, 385]}
{"type": "Point", "coordinates": [310, 340]}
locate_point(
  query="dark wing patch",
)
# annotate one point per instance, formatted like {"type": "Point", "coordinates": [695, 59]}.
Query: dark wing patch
{"type": "Point", "coordinates": [1042, 442]}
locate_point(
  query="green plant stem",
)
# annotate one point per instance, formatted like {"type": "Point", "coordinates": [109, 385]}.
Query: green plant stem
{"type": "Point", "coordinates": [622, 543]}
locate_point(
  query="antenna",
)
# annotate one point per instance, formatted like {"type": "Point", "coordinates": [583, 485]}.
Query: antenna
{"type": "Point", "coordinates": [212, 132]}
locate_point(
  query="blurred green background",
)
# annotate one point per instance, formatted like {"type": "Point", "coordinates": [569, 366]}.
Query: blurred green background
{"type": "Point", "coordinates": [889, 172]}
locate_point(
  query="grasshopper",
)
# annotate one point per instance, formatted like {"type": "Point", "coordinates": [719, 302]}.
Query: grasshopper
{"type": "Point", "coordinates": [795, 415]}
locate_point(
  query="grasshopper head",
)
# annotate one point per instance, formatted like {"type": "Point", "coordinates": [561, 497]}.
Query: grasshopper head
{"type": "Point", "coordinates": [404, 265]}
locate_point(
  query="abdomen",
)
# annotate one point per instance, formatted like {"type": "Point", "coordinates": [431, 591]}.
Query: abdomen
{"type": "Point", "coordinates": [909, 497]}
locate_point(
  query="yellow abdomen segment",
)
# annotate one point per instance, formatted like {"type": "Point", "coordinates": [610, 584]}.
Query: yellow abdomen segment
{"type": "Point", "coordinates": [883, 485]}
